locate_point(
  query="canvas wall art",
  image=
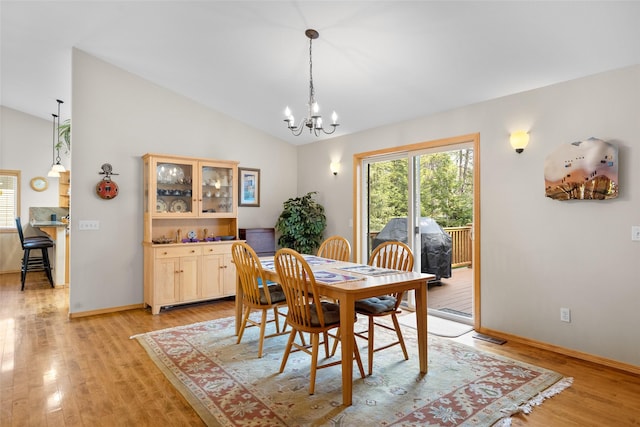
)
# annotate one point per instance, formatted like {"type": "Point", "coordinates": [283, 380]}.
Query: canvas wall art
{"type": "Point", "coordinates": [582, 170]}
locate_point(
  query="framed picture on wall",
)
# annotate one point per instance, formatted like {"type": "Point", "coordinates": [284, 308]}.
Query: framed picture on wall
{"type": "Point", "coordinates": [249, 187]}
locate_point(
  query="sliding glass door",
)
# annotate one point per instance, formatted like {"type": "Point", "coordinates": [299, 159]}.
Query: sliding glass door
{"type": "Point", "coordinates": [425, 198]}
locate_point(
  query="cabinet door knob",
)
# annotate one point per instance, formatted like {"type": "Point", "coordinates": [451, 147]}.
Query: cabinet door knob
{"type": "Point", "coordinates": [164, 253]}
{"type": "Point", "coordinates": [192, 251]}
{"type": "Point", "coordinates": [177, 271]}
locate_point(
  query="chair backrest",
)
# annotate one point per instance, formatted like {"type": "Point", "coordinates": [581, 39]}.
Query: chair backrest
{"type": "Point", "coordinates": [395, 255]}
{"type": "Point", "coordinates": [20, 232]}
{"type": "Point", "coordinates": [299, 286]}
{"type": "Point", "coordinates": [250, 273]}
{"type": "Point", "coordinates": [335, 247]}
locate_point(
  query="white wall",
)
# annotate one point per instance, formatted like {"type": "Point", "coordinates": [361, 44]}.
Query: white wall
{"type": "Point", "coordinates": [118, 117]}
{"type": "Point", "coordinates": [25, 145]}
{"type": "Point", "coordinates": [538, 254]}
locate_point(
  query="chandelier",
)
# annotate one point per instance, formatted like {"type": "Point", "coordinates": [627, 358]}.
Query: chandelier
{"type": "Point", "coordinates": [56, 166]}
{"type": "Point", "coordinates": [313, 121]}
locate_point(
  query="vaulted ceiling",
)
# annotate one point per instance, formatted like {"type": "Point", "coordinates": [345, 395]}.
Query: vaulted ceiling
{"type": "Point", "coordinates": [375, 62]}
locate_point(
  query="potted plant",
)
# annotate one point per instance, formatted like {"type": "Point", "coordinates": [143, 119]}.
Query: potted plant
{"type": "Point", "coordinates": [64, 136]}
{"type": "Point", "coordinates": [301, 224]}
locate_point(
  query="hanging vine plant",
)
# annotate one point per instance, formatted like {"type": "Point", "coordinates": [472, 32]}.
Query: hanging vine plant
{"type": "Point", "coordinates": [64, 136]}
{"type": "Point", "coordinates": [301, 224]}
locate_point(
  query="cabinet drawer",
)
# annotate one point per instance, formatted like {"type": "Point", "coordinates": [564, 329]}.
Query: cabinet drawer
{"type": "Point", "coordinates": [217, 249]}
{"type": "Point", "coordinates": [178, 251]}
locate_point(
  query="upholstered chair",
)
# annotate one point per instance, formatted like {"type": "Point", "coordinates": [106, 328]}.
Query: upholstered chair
{"type": "Point", "coordinates": [396, 256]}
{"type": "Point", "coordinates": [257, 293]}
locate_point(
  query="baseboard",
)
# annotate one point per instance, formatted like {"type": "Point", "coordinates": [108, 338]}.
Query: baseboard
{"type": "Point", "coordinates": [626, 367]}
{"type": "Point", "coordinates": [105, 311]}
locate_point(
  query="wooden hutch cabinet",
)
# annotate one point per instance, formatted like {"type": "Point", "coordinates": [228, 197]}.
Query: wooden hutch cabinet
{"type": "Point", "coordinates": [190, 222]}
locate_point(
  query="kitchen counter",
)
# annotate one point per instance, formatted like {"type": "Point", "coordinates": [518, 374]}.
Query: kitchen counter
{"type": "Point", "coordinates": [41, 224]}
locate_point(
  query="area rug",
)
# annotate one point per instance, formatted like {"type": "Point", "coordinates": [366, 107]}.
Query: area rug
{"type": "Point", "coordinates": [437, 325]}
{"type": "Point", "coordinates": [228, 385]}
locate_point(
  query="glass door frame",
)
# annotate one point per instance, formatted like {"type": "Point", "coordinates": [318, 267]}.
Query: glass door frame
{"type": "Point", "coordinates": [412, 153]}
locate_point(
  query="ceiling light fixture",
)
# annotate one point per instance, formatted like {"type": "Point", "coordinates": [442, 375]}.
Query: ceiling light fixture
{"type": "Point", "coordinates": [56, 166]}
{"type": "Point", "coordinates": [313, 121]}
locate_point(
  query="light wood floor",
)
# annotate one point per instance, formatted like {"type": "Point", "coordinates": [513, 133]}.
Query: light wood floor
{"type": "Point", "coordinates": [87, 372]}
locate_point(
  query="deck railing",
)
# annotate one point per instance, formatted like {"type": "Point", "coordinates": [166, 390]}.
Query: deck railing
{"type": "Point", "coordinates": [461, 254]}
{"type": "Point", "coordinates": [461, 245]}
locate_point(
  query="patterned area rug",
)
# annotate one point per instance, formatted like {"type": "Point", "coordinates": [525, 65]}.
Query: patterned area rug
{"type": "Point", "coordinates": [228, 385]}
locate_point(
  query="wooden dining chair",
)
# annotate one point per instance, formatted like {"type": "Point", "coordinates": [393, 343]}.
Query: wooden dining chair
{"type": "Point", "coordinates": [258, 293]}
{"type": "Point", "coordinates": [335, 247]}
{"type": "Point", "coordinates": [307, 313]}
{"type": "Point", "coordinates": [396, 256]}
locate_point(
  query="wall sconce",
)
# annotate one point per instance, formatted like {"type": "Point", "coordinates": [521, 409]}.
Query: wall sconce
{"type": "Point", "coordinates": [335, 167]}
{"type": "Point", "coordinates": [519, 140]}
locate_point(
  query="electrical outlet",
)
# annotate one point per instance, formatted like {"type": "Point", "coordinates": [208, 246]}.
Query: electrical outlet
{"type": "Point", "coordinates": [635, 233]}
{"type": "Point", "coordinates": [88, 225]}
{"type": "Point", "coordinates": [565, 314]}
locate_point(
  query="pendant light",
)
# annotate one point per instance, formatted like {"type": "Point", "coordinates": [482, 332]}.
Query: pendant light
{"type": "Point", "coordinates": [56, 166]}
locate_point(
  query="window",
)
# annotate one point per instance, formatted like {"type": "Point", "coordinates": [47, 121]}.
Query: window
{"type": "Point", "coordinates": [9, 198]}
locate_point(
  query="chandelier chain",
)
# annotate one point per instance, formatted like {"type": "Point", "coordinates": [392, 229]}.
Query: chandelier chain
{"type": "Point", "coordinates": [311, 90]}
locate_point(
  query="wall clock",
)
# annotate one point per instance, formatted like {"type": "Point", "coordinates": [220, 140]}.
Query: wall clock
{"type": "Point", "coordinates": [39, 183]}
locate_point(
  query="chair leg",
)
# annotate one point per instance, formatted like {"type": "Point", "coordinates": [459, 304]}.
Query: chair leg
{"type": "Point", "coordinates": [396, 324]}
{"type": "Point", "coordinates": [245, 318]}
{"type": "Point", "coordinates": [315, 344]}
{"type": "Point", "coordinates": [287, 350]}
{"type": "Point", "coordinates": [326, 343]}
{"type": "Point", "coordinates": [356, 353]}
{"type": "Point", "coordinates": [277, 319]}
{"type": "Point", "coordinates": [335, 343]}
{"type": "Point", "coordinates": [263, 325]}
{"type": "Point", "coordinates": [25, 261]}
{"type": "Point", "coordinates": [47, 265]}
{"type": "Point", "coordinates": [371, 346]}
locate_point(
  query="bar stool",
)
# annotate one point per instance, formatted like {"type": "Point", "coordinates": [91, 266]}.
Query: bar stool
{"type": "Point", "coordinates": [30, 263]}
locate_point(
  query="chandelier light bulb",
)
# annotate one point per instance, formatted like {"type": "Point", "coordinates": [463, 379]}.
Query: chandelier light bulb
{"type": "Point", "coordinates": [334, 118]}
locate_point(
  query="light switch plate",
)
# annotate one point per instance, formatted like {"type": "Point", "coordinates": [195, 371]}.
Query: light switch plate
{"type": "Point", "coordinates": [635, 233]}
{"type": "Point", "coordinates": [88, 225]}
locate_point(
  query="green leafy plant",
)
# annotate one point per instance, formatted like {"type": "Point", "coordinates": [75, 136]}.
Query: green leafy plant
{"type": "Point", "coordinates": [301, 224]}
{"type": "Point", "coordinates": [64, 136]}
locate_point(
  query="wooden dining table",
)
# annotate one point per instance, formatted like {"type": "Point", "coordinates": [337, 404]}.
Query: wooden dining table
{"type": "Point", "coordinates": [347, 292]}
